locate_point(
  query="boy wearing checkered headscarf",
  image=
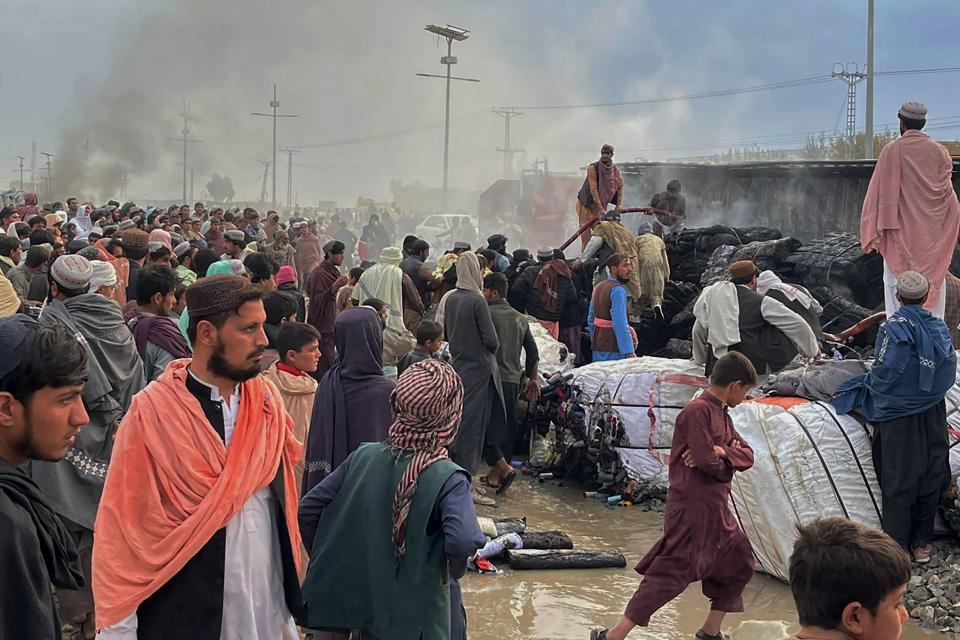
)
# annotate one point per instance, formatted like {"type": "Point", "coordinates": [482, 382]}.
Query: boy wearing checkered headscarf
{"type": "Point", "coordinates": [395, 522]}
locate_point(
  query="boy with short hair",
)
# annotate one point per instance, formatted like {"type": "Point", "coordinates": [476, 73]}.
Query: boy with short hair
{"type": "Point", "coordinates": [429, 341]}
{"type": "Point", "coordinates": [848, 581]}
{"type": "Point", "coordinates": [702, 540]}
{"type": "Point", "coordinates": [298, 345]}
{"type": "Point", "coordinates": [42, 377]}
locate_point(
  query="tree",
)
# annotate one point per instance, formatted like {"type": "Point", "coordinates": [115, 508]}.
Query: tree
{"type": "Point", "coordinates": [220, 188]}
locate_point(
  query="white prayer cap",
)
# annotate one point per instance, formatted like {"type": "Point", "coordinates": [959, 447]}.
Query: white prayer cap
{"type": "Point", "coordinates": [104, 275]}
{"type": "Point", "coordinates": [913, 110]}
{"type": "Point", "coordinates": [912, 285]}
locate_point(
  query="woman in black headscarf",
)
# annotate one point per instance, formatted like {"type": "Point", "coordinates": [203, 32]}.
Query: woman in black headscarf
{"type": "Point", "coordinates": [353, 399]}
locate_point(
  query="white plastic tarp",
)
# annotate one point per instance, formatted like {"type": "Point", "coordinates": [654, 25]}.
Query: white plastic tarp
{"type": "Point", "coordinates": [554, 355]}
{"type": "Point", "coordinates": [810, 462]}
{"type": "Point", "coordinates": [647, 393]}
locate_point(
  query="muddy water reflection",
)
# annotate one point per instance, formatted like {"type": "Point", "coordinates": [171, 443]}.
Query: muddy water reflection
{"type": "Point", "coordinates": [560, 605]}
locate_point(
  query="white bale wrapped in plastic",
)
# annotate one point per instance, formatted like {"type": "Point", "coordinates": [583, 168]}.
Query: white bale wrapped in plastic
{"type": "Point", "coordinates": [809, 463]}
{"type": "Point", "coordinates": [554, 355]}
{"type": "Point", "coordinates": [647, 393]}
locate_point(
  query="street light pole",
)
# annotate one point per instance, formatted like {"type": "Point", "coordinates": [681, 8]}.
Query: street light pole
{"type": "Point", "coordinates": [451, 33]}
{"type": "Point", "coordinates": [275, 104]}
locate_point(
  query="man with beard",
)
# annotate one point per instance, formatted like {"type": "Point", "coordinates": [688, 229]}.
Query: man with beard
{"type": "Point", "coordinates": [322, 287]}
{"type": "Point", "coordinates": [610, 332]}
{"type": "Point", "coordinates": [158, 339]}
{"type": "Point", "coordinates": [41, 414]}
{"type": "Point", "coordinates": [114, 375]}
{"type": "Point", "coordinates": [602, 186]}
{"type": "Point", "coordinates": [197, 535]}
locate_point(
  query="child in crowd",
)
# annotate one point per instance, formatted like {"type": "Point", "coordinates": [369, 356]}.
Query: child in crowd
{"type": "Point", "coordinates": [848, 582]}
{"type": "Point", "coordinates": [702, 541]}
{"type": "Point", "coordinates": [298, 344]}
{"type": "Point", "coordinates": [429, 340]}
{"type": "Point", "coordinates": [345, 293]}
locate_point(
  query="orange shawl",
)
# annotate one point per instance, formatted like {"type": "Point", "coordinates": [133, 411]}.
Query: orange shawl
{"type": "Point", "coordinates": [172, 485]}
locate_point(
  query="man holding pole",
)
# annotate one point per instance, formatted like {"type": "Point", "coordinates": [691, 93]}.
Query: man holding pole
{"type": "Point", "coordinates": [602, 186]}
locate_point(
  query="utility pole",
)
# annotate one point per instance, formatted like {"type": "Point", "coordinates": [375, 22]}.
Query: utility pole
{"type": "Point", "coordinates": [508, 151]}
{"type": "Point", "coordinates": [191, 185]}
{"type": "Point", "coordinates": [123, 184]}
{"type": "Point", "coordinates": [185, 114]}
{"type": "Point", "coordinates": [275, 104]}
{"type": "Point", "coordinates": [868, 136]}
{"type": "Point", "coordinates": [263, 185]}
{"type": "Point", "coordinates": [22, 158]}
{"type": "Point", "coordinates": [289, 153]}
{"type": "Point", "coordinates": [49, 156]}
{"type": "Point", "coordinates": [851, 76]}
{"type": "Point", "coordinates": [33, 162]}
{"type": "Point", "coordinates": [451, 33]}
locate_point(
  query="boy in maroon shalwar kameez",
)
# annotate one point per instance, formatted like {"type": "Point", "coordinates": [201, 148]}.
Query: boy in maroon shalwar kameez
{"type": "Point", "coordinates": [701, 539]}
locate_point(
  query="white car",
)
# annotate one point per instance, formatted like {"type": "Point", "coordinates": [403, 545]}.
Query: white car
{"type": "Point", "coordinates": [436, 230]}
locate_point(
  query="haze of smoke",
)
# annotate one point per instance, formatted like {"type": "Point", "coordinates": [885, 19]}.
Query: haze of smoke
{"type": "Point", "coordinates": [347, 69]}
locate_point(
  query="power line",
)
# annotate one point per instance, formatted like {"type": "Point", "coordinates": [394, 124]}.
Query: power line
{"type": "Point", "coordinates": [389, 134]}
{"type": "Point", "coordinates": [787, 84]}
{"type": "Point", "coordinates": [773, 86]}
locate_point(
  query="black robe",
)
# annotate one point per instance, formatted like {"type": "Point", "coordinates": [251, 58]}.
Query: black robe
{"type": "Point", "coordinates": [36, 552]}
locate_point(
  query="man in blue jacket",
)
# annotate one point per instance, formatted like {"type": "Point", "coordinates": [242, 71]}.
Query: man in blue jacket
{"type": "Point", "coordinates": [903, 396]}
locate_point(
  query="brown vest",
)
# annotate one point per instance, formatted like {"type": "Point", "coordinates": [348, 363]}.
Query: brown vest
{"type": "Point", "coordinates": [604, 339]}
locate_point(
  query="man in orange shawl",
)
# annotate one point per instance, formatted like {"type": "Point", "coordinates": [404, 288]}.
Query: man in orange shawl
{"type": "Point", "coordinates": [197, 533]}
{"type": "Point", "coordinates": [911, 214]}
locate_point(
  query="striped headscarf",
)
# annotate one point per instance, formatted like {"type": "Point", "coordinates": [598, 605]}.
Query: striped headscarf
{"type": "Point", "coordinates": [428, 402]}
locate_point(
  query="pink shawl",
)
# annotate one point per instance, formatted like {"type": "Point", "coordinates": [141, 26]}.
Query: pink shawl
{"type": "Point", "coordinates": [911, 213]}
{"type": "Point", "coordinates": [608, 181]}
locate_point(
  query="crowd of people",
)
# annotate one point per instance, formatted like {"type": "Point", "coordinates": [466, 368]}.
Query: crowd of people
{"type": "Point", "coordinates": [211, 427]}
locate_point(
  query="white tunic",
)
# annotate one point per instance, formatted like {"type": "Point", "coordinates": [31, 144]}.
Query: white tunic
{"type": "Point", "coordinates": [254, 607]}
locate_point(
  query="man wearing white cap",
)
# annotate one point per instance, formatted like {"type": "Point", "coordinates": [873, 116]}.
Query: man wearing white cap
{"type": "Point", "coordinates": [911, 214]}
{"type": "Point", "coordinates": [103, 280]}
{"type": "Point", "coordinates": [114, 374]}
{"type": "Point", "coordinates": [903, 397]}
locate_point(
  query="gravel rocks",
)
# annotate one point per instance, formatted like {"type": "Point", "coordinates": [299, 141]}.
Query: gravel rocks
{"type": "Point", "coordinates": [932, 593]}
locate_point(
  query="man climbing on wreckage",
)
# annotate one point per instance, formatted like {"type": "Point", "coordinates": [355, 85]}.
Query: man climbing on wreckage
{"type": "Point", "coordinates": [602, 187]}
{"type": "Point", "coordinates": [673, 210]}
{"type": "Point", "coordinates": [702, 540]}
{"type": "Point", "coordinates": [903, 397]}
{"type": "Point", "coordinates": [611, 237]}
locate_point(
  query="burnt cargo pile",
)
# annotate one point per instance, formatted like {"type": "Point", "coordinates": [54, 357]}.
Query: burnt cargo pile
{"type": "Point", "coordinates": [846, 282]}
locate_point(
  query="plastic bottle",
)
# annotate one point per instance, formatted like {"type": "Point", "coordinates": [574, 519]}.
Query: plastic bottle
{"type": "Point", "coordinates": [497, 546]}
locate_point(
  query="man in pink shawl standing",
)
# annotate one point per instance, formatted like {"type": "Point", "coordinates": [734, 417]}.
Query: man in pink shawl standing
{"type": "Point", "coordinates": [603, 186]}
{"type": "Point", "coordinates": [911, 214]}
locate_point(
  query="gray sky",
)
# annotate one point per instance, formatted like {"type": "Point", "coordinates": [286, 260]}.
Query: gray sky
{"type": "Point", "coordinates": [112, 75]}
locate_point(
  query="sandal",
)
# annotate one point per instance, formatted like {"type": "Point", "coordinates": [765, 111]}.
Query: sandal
{"type": "Point", "coordinates": [486, 482]}
{"type": "Point", "coordinates": [506, 481]}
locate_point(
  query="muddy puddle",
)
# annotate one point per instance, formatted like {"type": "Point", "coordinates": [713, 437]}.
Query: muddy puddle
{"type": "Point", "coordinates": [561, 605]}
